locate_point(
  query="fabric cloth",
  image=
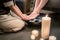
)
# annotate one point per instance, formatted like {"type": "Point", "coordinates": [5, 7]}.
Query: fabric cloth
{"type": "Point", "coordinates": [4, 6]}
{"type": "Point", "coordinates": [11, 24]}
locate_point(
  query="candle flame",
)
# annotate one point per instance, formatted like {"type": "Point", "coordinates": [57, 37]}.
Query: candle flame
{"type": "Point", "coordinates": [46, 15]}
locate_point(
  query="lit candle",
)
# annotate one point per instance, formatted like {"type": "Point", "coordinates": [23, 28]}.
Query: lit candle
{"type": "Point", "coordinates": [32, 37]}
{"type": "Point", "coordinates": [45, 30]}
{"type": "Point", "coordinates": [52, 38]}
{"type": "Point", "coordinates": [41, 39]}
{"type": "Point", "coordinates": [35, 33]}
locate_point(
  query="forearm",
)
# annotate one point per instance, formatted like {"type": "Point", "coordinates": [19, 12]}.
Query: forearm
{"type": "Point", "coordinates": [16, 10]}
{"type": "Point", "coordinates": [35, 7]}
{"type": "Point", "coordinates": [41, 5]}
{"type": "Point", "coordinates": [36, 3]}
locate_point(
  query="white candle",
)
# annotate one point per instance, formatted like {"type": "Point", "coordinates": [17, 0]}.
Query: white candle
{"type": "Point", "coordinates": [35, 33]}
{"type": "Point", "coordinates": [45, 30]}
{"type": "Point", "coordinates": [32, 37]}
{"type": "Point", "coordinates": [52, 38]}
{"type": "Point", "coordinates": [41, 39]}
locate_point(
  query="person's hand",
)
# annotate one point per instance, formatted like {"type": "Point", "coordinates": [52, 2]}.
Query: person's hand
{"type": "Point", "coordinates": [25, 17]}
{"type": "Point", "coordinates": [33, 15]}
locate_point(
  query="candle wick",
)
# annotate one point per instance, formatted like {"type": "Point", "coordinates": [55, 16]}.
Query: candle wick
{"type": "Point", "coordinates": [46, 15]}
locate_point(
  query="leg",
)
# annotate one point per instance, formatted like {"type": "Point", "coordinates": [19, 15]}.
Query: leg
{"type": "Point", "coordinates": [11, 24]}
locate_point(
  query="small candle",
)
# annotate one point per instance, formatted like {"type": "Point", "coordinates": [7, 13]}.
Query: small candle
{"type": "Point", "coordinates": [32, 37]}
{"type": "Point", "coordinates": [45, 30]}
{"type": "Point", "coordinates": [52, 38]}
{"type": "Point", "coordinates": [35, 33]}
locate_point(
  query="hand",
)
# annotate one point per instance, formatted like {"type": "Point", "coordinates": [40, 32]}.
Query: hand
{"type": "Point", "coordinates": [25, 17]}
{"type": "Point", "coordinates": [33, 15]}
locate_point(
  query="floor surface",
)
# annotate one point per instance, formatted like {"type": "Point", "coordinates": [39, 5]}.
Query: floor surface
{"type": "Point", "coordinates": [26, 32]}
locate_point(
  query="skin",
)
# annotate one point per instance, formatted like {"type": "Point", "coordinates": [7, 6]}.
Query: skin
{"type": "Point", "coordinates": [18, 12]}
{"type": "Point", "coordinates": [39, 4]}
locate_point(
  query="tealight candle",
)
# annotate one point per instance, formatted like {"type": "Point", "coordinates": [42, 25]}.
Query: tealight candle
{"type": "Point", "coordinates": [35, 33]}
{"type": "Point", "coordinates": [52, 38]}
{"type": "Point", "coordinates": [32, 37]}
{"type": "Point", "coordinates": [45, 30]}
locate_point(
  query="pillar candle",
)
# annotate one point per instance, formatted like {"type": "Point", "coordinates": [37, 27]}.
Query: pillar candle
{"type": "Point", "coordinates": [45, 29]}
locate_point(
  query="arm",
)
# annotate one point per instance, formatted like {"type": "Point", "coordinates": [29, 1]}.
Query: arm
{"type": "Point", "coordinates": [36, 4]}
{"type": "Point", "coordinates": [37, 10]}
{"type": "Point", "coordinates": [41, 5]}
{"type": "Point", "coordinates": [15, 9]}
{"type": "Point", "coordinates": [18, 12]}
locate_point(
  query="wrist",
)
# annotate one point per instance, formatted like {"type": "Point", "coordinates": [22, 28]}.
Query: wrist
{"type": "Point", "coordinates": [36, 12]}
